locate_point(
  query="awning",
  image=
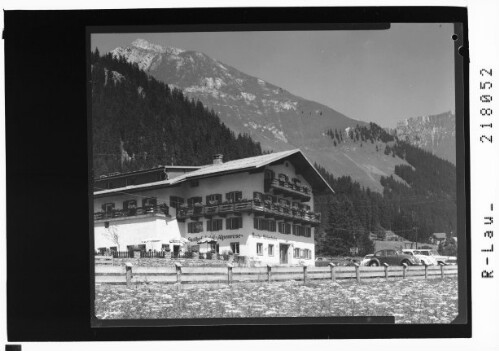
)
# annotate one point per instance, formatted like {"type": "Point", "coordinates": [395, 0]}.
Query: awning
{"type": "Point", "coordinates": [207, 241]}
{"type": "Point", "coordinates": [179, 241]}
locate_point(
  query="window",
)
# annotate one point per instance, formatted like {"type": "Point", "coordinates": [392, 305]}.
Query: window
{"type": "Point", "coordinates": [195, 227]}
{"type": "Point", "coordinates": [214, 248]}
{"type": "Point", "coordinates": [283, 177]}
{"type": "Point", "coordinates": [194, 200]}
{"type": "Point", "coordinates": [234, 247]}
{"type": "Point", "coordinates": [284, 228]}
{"type": "Point", "coordinates": [264, 224]}
{"type": "Point", "coordinates": [259, 249]}
{"type": "Point", "coordinates": [296, 181]}
{"type": "Point", "coordinates": [296, 253]}
{"type": "Point", "coordinates": [302, 253]}
{"type": "Point", "coordinates": [234, 196]}
{"type": "Point", "coordinates": [270, 198]}
{"type": "Point", "coordinates": [234, 223]}
{"type": "Point", "coordinates": [213, 199]}
{"type": "Point", "coordinates": [176, 201]}
{"type": "Point", "coordinates": [214, 225]}
{"type": "Point", "coordinates": [307, 254]}
{"type": "Point", "coordinates": [130, 206]}
{"type": "Point", "coordinates": [269, 174]}
{"type": "Point", "coordinates": [108, 208]}
{"type": "Point", "coordinates": [284, 202]}
{"type": "Point", "coordinates": [149, 202]}
{"type": "Point", "coordinates": [299, 230]}
{"type": "Point", "coordinates": [271, 250]}
{"type": "Point", "coordinates": [308, 232]}
{"type": "Point", "coordinates": [257, 196]}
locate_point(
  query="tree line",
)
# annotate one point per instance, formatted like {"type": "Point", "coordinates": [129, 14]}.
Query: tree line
{"type": "Point", "coordinates": [418, 201]}
{"type": "Point", "coordinates": [139, 122]}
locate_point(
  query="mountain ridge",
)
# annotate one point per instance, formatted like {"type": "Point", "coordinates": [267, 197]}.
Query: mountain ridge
{"type": "Point", "coordinates": [269, 114]}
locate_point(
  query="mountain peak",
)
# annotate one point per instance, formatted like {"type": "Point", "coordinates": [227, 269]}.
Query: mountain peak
{"type": "Point", "coordinates": [148, 46]}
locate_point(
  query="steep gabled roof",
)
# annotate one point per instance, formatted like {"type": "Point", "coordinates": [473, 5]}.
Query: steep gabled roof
{"type": "Point", "coordinates": [246, 164]}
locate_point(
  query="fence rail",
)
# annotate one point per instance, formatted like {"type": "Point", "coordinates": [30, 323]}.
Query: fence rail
{"type": "Point", "coordinates": [178, 274]}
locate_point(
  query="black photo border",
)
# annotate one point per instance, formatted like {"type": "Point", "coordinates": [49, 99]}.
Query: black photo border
{"type": "Point", "coordinates": [49, 164]}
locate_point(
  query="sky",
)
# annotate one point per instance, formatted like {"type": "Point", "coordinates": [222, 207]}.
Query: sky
{"type": "Point", "coordinates": [383, 76]}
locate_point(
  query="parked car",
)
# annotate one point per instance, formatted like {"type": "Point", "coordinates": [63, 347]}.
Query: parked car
{"type": "Point", "coordinates": [366, 259]}
{"type": "Point", "coordinates": [437, 257]}
{"type": "Point", "coordinates": [393, 258]}
{"type": "Point", "coordinates": [423, 259]}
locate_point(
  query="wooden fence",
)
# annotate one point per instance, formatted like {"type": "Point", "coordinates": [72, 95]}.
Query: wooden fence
{"type": "Point", "coordinates": [128, 274]}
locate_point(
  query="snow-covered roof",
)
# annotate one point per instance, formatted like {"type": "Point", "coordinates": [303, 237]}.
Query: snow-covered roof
{"type": "Point", "coordinates": [311, 174]}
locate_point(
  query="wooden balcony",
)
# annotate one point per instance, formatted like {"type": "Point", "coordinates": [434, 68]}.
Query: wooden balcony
{"type": "Point", "coordinates": [286, 188]}
{"type": "Point", "coordinates": [131, 212]}
{"type": "Point", "coordinates": [259, 208]}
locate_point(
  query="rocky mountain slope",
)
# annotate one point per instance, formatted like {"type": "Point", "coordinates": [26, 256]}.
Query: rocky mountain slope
{"type": "Point", "coordinates": [435, 133]}
{"type": "Point", "coordinates": [271, 115]}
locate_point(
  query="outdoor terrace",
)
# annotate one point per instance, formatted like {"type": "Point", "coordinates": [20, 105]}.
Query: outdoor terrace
{"type": "Point", "coordinates": [282, 186]}
{"type": "Point", "coordinates": [258, 208]}
{"type": "Point", "coordinates": [137, 211]}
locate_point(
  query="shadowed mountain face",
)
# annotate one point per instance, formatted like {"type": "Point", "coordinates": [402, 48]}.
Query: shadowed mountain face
{"type": "Point", "coordinates": [436, 133]}
{"type": "Point", "coordinates": [271, 115]}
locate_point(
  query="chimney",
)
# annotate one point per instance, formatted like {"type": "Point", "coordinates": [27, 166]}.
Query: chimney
{"type": "Point", "coordinates": [218, 159]}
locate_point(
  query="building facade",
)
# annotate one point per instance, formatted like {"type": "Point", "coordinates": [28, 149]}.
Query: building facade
{"type": "Point", "coordinates": [260, 207]}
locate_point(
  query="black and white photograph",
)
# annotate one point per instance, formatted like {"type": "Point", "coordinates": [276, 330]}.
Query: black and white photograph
{"type": "Point", "coordinates": [275, 173]}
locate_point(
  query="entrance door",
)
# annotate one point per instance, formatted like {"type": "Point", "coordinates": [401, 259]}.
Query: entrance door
{"type": "Point", "coordinates": [283, 253]}
{"type": "Point", "coordinates": [176, 249]}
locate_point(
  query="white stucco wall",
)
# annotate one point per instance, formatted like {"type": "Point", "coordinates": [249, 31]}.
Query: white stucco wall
{"type": "Point", "coordinates": [135, 230]}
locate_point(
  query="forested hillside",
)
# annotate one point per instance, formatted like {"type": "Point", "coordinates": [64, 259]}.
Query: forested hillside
{"type": "Point", "coordinates": [138, 122]}
{"type": "Point", "coordinates": [425, 204]}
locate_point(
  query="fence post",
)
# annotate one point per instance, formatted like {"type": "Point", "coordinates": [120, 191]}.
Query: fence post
{"type": "Point", "coordinates": [332, 266]}
{"type": "Point", "coordinates": [404, 270]}
{"type": "Point", "coordinates": [178, 267]}
{"type": "Point", "coordinates": [304, 274]}
{"type": "Point", "coordinates": [357, 271]}
{"type": "Point", "coordinates": [128, 267]}
{"type": "Point", "coordinates": [269, 269]}
{"type": "Point", "coordinates": [425, 270]}
{"type": "Point", "coordinates": [229, 273]}
{"type": "Point", "coordinates": [442, 264]}
{"type": "Point", "coordinates": [386, 270]}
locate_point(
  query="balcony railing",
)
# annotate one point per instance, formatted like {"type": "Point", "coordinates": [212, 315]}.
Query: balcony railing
{"type": "Point", "coordinates": [293, 190]}
{"type": "Point", "coordinates": [266, 208]}
{"type": "Point", "coordinates": [131, 212]}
